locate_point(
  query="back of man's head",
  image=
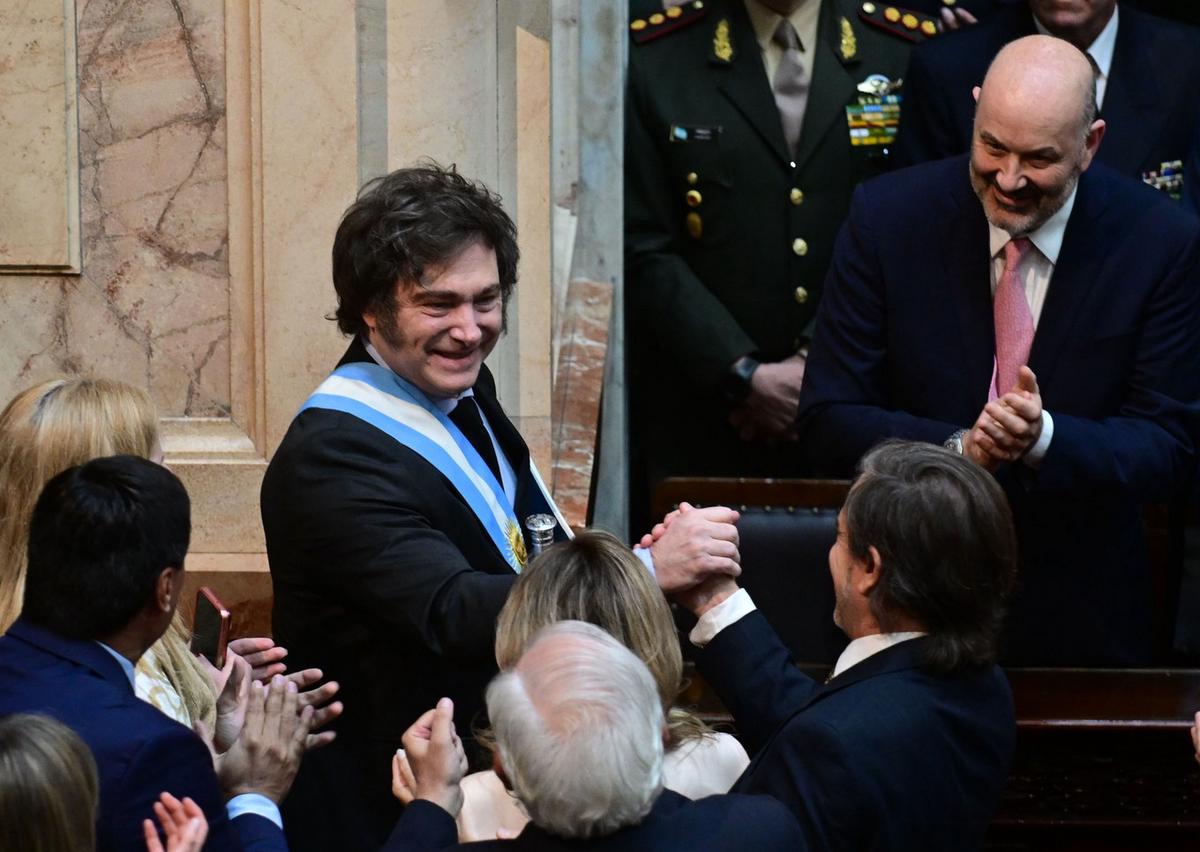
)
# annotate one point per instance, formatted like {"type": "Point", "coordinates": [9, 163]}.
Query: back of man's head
{"type": "Point", "coordinates": [100, 536]}
{"type": "Point", "coordinates": [948, 553]}
{"type": "Point", "coordinates": [579, 731]}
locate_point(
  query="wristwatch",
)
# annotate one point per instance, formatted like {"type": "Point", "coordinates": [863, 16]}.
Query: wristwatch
{"type": "Point", "coordinates": [955, 441]}
{"type": "Point", "coordinates": [735, 384]}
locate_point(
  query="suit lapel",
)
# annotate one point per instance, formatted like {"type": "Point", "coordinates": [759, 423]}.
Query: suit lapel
{"type": "Point", "coordinates": [1078, 268]}
{"type": "Point", "coordinates": [510, 440]}
{"type": "Point", "coordinates": [1131, 102]}
{"type": "Point", "coordinates": [965, 258]}
{"type": "Point", "coordinates": [745, 82]}
{"type": "Point", "coordinates": [833, 84]}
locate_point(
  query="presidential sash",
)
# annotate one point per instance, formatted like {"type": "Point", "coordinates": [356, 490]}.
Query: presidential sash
{"type": "Point", "coordinates": [378, 396]}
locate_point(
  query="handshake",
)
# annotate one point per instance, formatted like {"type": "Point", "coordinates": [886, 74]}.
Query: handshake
{"type": "Point", "coordinates": [696, 557]}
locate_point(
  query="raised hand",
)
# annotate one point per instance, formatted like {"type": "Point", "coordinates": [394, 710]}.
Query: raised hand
{"type": "Point", "coordinates": [696, 544]}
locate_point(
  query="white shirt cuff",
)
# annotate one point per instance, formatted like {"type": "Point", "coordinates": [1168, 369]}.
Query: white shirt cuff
{"type": "Point", "coordinates": [644, 554]}
{"type": "Point", "coordinates": [254, 803]}
{"type": "Point", "coordinates": [1033, 457]}
{"type": "Point", "coordinates": [734, 608]}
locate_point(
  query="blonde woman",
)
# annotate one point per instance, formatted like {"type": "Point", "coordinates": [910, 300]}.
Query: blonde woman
{"type": "Point", "coordinates": [49, 793]}
{"type": "Point", "coordinates": [65, 422]}
{"type": "Point", "coordinates": [596, 578]}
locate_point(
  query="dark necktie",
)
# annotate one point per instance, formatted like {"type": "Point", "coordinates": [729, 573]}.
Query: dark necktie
{"type": "Point", "coordinates": [467, 418]}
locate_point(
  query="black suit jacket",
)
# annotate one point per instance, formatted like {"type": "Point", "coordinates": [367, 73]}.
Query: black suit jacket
{"type": "Point", "coordinates": [904, 348]}
{"type": "Point", "coordinates": [886, 756]}
{"type": "Point", "coordinates": [384, 579]}
{"type": "Point", "coordinates": [139, 752]}
{"type": "Point", "coordinates": [712, 824]}
{"type": "Point", "coordinates": [1149, 106]}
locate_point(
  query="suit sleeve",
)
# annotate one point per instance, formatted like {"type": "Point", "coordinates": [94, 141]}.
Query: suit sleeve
{"type": "Point", "coordinates": [926, 127]}
{"type": "Point", "coordinates": [422, 826]}
{"type": "Point", "coordinates": [354, 512]}
{"type": "Point", "coordinates": [1148, 448]}
{"type": "Point", "coordinates": [844, 405]}
{"type": "Point", "coordinates": [664, 294]}
{"type": "Point", "coordinates": [179, 764]}
{"type": "Point", "coordinates": [753, 673]}
{"type": "Point", "coordinates": [1191, 174]}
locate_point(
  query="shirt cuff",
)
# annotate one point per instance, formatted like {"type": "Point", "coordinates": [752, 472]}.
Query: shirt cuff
{"type": "Point", "coordinates": [1033, 458]}
{"type": "Point", "coordinates": [734, 608]}
{"type": "Point", "coordinates": [644, 554]}
{"type": "Point", "coordinates": [254, 803]}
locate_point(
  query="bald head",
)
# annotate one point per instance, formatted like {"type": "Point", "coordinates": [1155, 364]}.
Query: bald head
{"type": "Point", "coordinates": [1044, 80]}
{"type": "Point", "coordinates": [1035, 131]}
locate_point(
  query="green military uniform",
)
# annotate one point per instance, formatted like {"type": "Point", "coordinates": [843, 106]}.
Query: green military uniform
{"type": "Point", "coordinates": [727, 237]}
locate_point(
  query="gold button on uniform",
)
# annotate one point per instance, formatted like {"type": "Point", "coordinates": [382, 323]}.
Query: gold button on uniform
{"type": "Point", "coordinates": [674, 12]}
{"type": "Point", "coordinates": [693, 198]}
{"type": "Point", "coordinates": [796, 196]}
{"type": "Point", "coordinates": [801, 295]}
{"type": "Point", "coordinates": [638, 25]}
{"type": "Point", "coordinates": [695, 225]}
{"type": "Point", "coordinates": [869, 8]}
{"type": "Point", "coordinates": [892, 14]}
{"type": "Point", "coordinates": [929, 28]}
{"type": "Point", "coordinates": [910, 22]}
{"type": "Point", "coordinates": [692, 177]}
{"type": "Point", "coordinates": [657, 18]}
{"type": "Point", "coordinates": [800, 247]}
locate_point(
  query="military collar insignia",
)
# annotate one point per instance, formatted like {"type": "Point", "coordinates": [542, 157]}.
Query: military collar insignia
{"type": "Point", "coordinates": [722, 47]}
{"type": "Point", "coordinates": [849, 42]}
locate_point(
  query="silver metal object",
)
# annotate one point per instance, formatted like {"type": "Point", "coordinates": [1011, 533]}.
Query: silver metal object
{"type": "Point", "coordinates": [541, 532]}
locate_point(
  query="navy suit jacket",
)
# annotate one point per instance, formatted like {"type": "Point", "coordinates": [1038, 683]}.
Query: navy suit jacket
{"type": "Point", "coordinates": [712, 824]}
{"type": "Point", "coordinates": [139, 752]}
{"type": "Point", "coordinates": [1149, 105]}
{"type": "Point", "coordinates": [886, 756]}
{"type": "Point", "coordinates": [904, 348]}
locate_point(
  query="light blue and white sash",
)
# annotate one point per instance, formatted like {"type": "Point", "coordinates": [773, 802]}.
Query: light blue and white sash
{"type": "Point", "coordinates": [377, 396]}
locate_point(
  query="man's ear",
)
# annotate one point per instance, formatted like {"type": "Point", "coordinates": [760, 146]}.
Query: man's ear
{"type": "Point", "coordinates": [167, 589]}
{"type": "Point", "coordinates": [868, 572]}
{"type": "Point", "coordinates": [1091, 144]}
{"type": "Point", "coordinates": [975, 93]}
{"type": "Point", "coordinates": [368, 318]}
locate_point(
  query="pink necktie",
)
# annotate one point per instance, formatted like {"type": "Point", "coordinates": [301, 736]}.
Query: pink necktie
{"type": "Point", "coordinates": [1014, 320]}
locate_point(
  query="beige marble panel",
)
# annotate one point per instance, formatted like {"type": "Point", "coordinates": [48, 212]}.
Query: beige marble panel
{"type": "Point", "coordinates": [39, 159]}
{"type": "Point", "coordinates": [442, 88]}
{"type": "Point", "coordinates": [309, 176]}
{"type": "Point", "coordinates": [533, 222]}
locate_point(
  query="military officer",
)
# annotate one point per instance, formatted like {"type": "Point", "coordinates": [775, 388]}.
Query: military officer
{"type": "Point", "coordinates": [749, 123]}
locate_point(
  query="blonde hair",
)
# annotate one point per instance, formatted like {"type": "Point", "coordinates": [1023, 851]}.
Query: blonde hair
{"type": "Point", "coordinates": [59, 424]}
{"type": "Point", "coordinates": [48, 787]}
{"type": "Point", "coordinates": [597, 579]}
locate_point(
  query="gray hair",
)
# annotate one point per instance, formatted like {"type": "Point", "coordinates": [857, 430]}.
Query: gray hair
{"type": "Point", "coordinates": [579, 731]}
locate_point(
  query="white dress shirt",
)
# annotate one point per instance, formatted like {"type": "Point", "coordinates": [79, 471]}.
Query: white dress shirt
{"type": "Point", "coordinates": [1035, 272]}
{"type": "Point", "coordinates": [738, 605]}
{"type": "Point", "coordinates": [1101, 50]}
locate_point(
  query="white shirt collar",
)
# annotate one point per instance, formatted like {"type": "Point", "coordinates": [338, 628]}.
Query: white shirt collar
{"type": "Point", "coordinates": [1102, 48]}
{"type": "Point", "coordinates": [126, 666]}
{"type": "Point", "coordinates": [868, 646]}
{"type": "Point", "coordinates": [446, 404]}
{"type": "Point", "coordinates": [1048, 239]}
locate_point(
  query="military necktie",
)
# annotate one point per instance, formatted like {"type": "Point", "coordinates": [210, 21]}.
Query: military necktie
{"type": "Point", "coordinates": [791, 84]}
{"type": "Point", "coordinates": [1014, 320]}
{"type": "Point", "coordinates": [467, 418]}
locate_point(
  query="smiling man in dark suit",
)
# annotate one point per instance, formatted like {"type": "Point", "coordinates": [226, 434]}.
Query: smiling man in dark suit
{"type": "Point", "coordinates": [1146, 89]}
{"type": "Point", "coordinates": [908, 744]}
{"type": "Point", "coordinates": [1041, 314]}
{"type": "Point", "coordinates": [398, 507]}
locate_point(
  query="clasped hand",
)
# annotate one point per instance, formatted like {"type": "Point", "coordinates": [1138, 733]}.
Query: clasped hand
{"type": "Point", "coordinates": [1008, 425]}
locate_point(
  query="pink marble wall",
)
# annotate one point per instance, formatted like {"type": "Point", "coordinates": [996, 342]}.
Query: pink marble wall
{"type": "Point", "coordinates": [577, 389]}
{"type": "Point", "coordinates": [152, 304]}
